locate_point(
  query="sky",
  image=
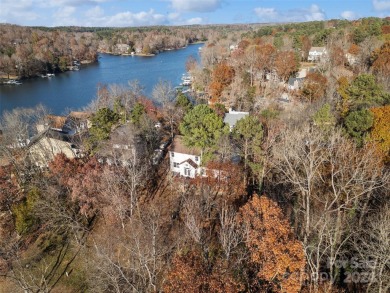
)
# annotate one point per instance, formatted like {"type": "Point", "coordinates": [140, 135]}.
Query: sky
{"type": "Point", "coordinates": [124, 13]}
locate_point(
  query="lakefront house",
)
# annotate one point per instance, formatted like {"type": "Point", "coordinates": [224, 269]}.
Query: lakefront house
{"type": "Point", "coordinates": [184, 161]}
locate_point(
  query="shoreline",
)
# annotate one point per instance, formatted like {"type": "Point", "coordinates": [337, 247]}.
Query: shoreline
{"type": "Point", "coordinates": [151, 54]}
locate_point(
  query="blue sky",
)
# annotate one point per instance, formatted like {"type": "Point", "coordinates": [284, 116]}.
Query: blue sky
{"type": "Point", "coordinates": [179, 12]}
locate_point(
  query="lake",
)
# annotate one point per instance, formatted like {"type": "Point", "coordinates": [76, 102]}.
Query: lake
{"type": "Point", "coordinates": [76, 89]}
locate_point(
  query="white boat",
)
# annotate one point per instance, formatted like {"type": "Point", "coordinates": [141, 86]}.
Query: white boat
{"type": "Point", "coordinates": [13, 81]}
{"type": "Point", "coordinates": [50, 74]}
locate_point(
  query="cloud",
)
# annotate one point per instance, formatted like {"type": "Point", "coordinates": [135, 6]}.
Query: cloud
{"type": "Point", "coordinates": [266, 13]}
{"type": "Point", "coordinates": [126, 18]}
{"type": "Point", "coordinates": [314, 12]}
{"type": "Point", "coordinates": [72, 3]}
{"type": "Point", "coordinates": [195, 20]}
{"type": "Point", "coordinates": [64, 16]}
{"type": "Point", "coordinates": [349, 15]}
{"type": "Point", "coordinates": [13, 11]}
{"type": "Point", "coordinates": [196, 5]}
{"type": "Point", "coordinates": [381, 5]}
{"type": "Point", "coordinates": [95, 12]}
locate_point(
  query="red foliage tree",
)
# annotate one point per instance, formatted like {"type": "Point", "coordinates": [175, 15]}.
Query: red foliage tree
{"type": "Point", "coordinates": [85, 185]}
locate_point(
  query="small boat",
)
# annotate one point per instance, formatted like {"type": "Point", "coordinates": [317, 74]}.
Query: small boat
{"type": "Point", "coordinates": [50, 74]}
{"type": "Point", "coordinates": [13, 81]}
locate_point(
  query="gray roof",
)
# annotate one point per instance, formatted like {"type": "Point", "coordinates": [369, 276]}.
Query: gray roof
{"type": "Point", "coordinates": [292, 80]}
{"type": "Point", "coordinates": [232, 118]}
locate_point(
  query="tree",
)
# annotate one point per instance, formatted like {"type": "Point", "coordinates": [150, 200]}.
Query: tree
{"type": "Point", "coordinates": [358, 123]}
{"type": "Point", "coordinates": [364, 92]}
{"type": "Point", "coordinates": [202, 127]}
{"type": "Point", "coordinates": [324, 118]}
{"type": "Point", "coordinates": [137, 112]}
{"type": "Point", "coordinates": [248, 133]}
{"type": "Point", "coordinates": [314, 86]}
{"type": "Point", "coordinates": [191, 63]}
{"type": "Point", "coordinates": [222, 76]}
{"type": "Point", "coordinates": [102, 122]}
{"type": "Point", "coordinates": [190, 273]}
{"type": "Point", "coordinates": [165, 94]}
{"type": "Point", "coordinates": [380, 132]}
{"type": "Point", "coordinates": [372, 244]}
{"type": "Point", "coordinates": [285, 64]}
{"type": "Point", "coordinates": [279, 258]}
{"type": "Point", "coordinates": [381, 63]}
{"type": "Point", "coordinates": [332, 182]}
{"type": "Point", "coordinates": [183, 103]}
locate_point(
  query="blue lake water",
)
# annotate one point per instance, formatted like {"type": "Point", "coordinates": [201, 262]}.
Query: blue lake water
{"type": "Point", "coordinates": [76, 89]}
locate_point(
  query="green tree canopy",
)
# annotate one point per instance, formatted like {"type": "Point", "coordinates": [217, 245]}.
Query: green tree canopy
{"type": "Point", "coordinates": [202, 127]}
{"type": "Point", "coordinates": [183, 102]}
{"type": "Point", "coordinates": [324, 118]}
{"type": "Point", "coordinates": [137, 112]}
{"type": "Point", "coordinates": [358, 123]}
{"type": "Point", "coordinates": [364, 92]}
{"type": "Point", "coordinates": [102, 122]}
{"type": "Point", "coordinates": [248, 133]}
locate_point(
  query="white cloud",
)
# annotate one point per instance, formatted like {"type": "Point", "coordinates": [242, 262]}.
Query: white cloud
{"type": "Point", "coordinates": [64, 16]}
{"type": "Point", "coordinates": [129, 18]}
{"type": "Point", "coordinates": [266, 13]}
{"type": "Point", "coordinates": [196, 5]}
{"type": "Point", "coordinates": [12, 11]}
{"type": "Point", "coordinates": [94, 12]}
{"type": "Point", "coordinates": [64, 12]}
{"type": "Point", "coordinates": [72, 3]}
{"type": "Point", "coordinates": [195, 20]}
{"type": "Point", "coordinates": [349, 15]}
{"type": "Point", "coordinates": [174, 16]}
{"type": "Point", "coordinates": [381, 5]}
{"type": "Point", "coordinates": [314, 12]}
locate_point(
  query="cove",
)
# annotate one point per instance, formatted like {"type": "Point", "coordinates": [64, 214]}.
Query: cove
{"type": "Point", "coordinates": [76, 89]}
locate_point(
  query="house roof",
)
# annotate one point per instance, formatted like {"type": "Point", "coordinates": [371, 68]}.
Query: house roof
{"type": "Point", "coordinates": [54, 134]}
{"type": "Point", "coordinates": [292, 80]}
{"type": "Point", "coordinates": [191, 163]}
{"type": "Point", "coordinates": [232, 117]}
{"type": "Point", "coordinates": [178, 146]}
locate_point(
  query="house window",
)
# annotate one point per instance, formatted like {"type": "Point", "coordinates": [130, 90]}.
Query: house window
{"type": "Point", "coordinates": [187, 171]}
{"type": "Point", "coordinates": [172, 154]}
{"type": "Point", "coordinates": [196, 159]}
{"type": "Point", "coordinates": [175, 165]}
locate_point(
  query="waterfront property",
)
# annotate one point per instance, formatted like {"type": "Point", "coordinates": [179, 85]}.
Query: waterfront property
{"type": "Point", "coordinates": [183, 160]}
{"type": "Point", "coordinates": [46, 145]}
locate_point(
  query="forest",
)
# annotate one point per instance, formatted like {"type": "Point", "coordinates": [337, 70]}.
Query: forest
{"type": "Point", "coordinates": [294, 197]}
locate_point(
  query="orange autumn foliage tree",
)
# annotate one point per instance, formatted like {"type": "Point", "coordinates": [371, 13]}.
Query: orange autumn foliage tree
{"type": "Point", "coordinates": [191, 274]}
{"type": "Point", "coordinates": [380, 132]}
{"type": "Point", "coordinates": [285, 64]}
{"type": "Point", "coordinates": [222, 76]}
{"type": "Point", "coordinates": [381, 60]}
{"type": "Point", "coordinates": [273, 248]}
{"type": "Point", "coordinates": [314, 86]}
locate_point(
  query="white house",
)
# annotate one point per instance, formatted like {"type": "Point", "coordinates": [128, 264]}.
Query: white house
{"type": "Point", "coordinates": [316, 53]}
{"type": "Point", "coordinates": [232, 117]}
{"type": "Point", "coordinates": [183, 160]}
